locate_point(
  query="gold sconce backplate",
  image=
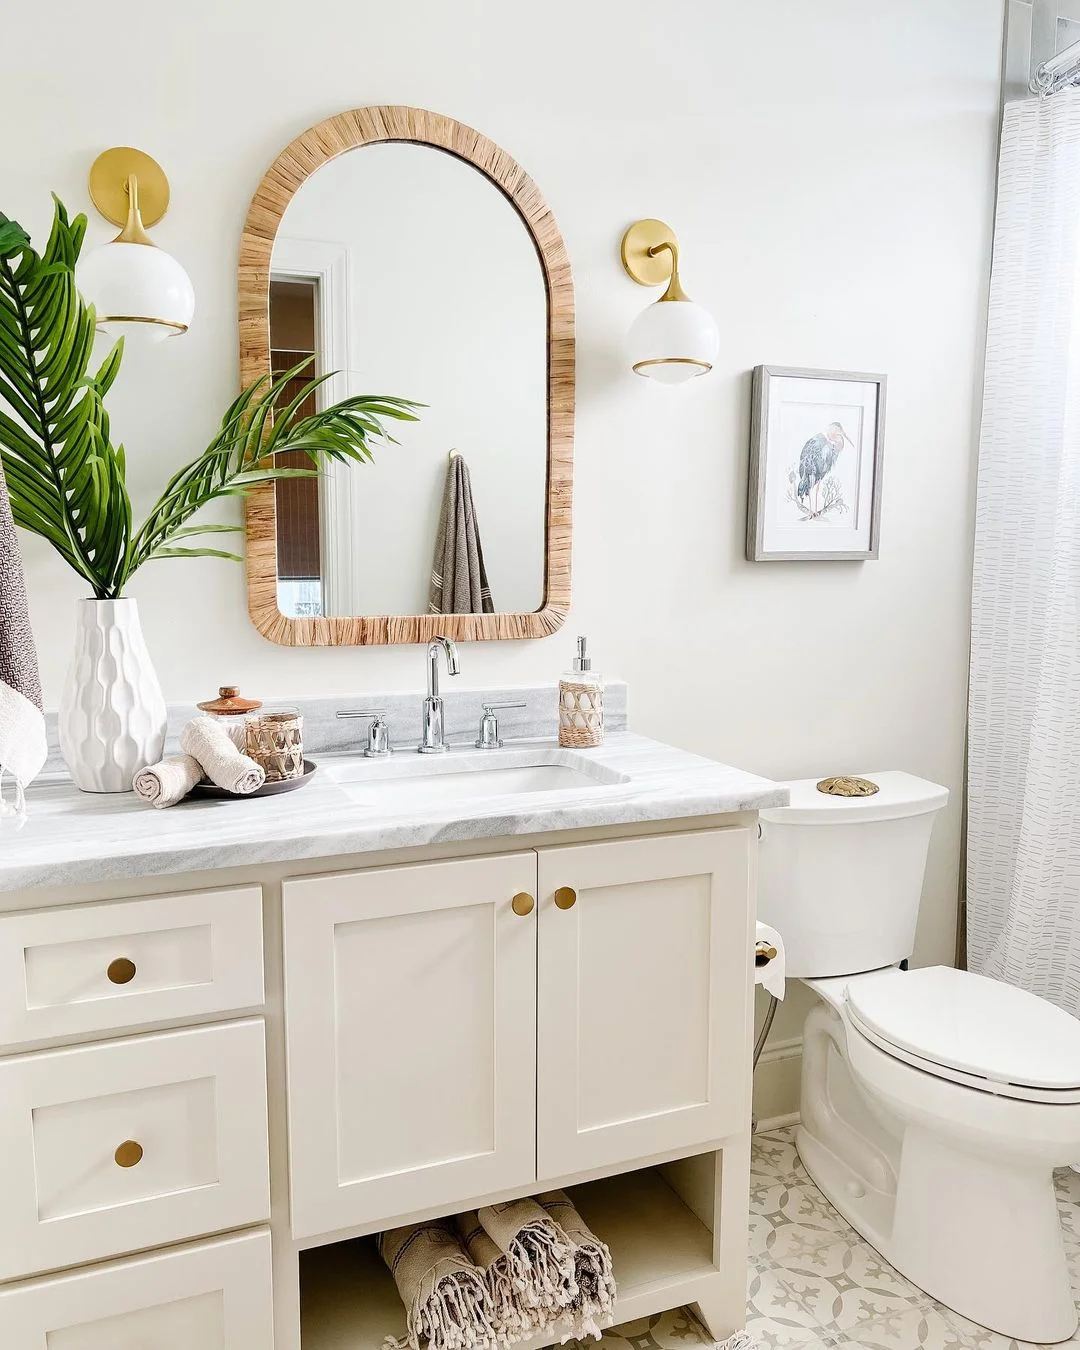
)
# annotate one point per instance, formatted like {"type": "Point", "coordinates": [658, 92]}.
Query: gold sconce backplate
{"type": "Point", "coordinates": [109, 175]}
{"type": "Point", "coordinates": [645, 268]}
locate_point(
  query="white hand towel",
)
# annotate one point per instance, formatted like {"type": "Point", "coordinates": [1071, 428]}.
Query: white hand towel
{"type": "Point", "coordinates": [206, 740]}
{"type": "Point", "coordinates": [169, 781]}
{"type": "Point", "coordinates": [770, 975]}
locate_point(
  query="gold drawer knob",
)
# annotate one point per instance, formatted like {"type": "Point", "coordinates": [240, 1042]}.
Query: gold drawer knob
{"type": "Point", "coordinates": [565, 897]}
{"type": "Point", "coordinates": [522, 904]}
{"type": "Point", "coordinates": [121, 971]}
{"type": "Point", "coordinates": [129, 1154]}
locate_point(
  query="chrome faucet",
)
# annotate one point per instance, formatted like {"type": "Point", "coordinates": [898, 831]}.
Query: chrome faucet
{"type": "Point", "coordinates": [431, 735]}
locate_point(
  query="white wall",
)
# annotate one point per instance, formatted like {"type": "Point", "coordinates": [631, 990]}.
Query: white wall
{"type": "Point", "coordinates": [828, 165]}
{"type": "Point", "coordinates": [447, 307]}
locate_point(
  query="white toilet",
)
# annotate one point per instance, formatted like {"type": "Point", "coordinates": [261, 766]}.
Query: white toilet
{"type": "Point", "coordinates": [935, 1103]}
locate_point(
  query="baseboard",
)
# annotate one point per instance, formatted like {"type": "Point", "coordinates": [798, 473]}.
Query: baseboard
{"type": "Point", "coordinates": [777, 1082]}
{"type": "Point", "coordinates": [776, 1123]}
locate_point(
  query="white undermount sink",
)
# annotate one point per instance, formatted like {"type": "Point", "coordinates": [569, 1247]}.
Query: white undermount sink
{"type": "Point", "coordinates": [409, 781]}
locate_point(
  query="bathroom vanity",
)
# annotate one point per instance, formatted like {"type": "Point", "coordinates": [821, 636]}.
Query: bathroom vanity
{"type": "Point", "coordinates": [238, 1039]}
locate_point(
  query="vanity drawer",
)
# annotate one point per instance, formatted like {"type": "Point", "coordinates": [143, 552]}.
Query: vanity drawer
{"type": "Point", "coordinates": [129, 1144]}
{"type": "Point", "coordinates": [214, 1296]}
{"type": "Point", "coordinates": [90, 968]}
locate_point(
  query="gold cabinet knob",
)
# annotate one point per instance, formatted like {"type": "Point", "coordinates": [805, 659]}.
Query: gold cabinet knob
{"type": "Point", "coordinates": [121, 971]}
{"type": "Point", "coordinates": [522, 904]}
{"type": "Point", "coordinates": [565, 897]}
{"type": "Point", "coordinates": [129, 1154]}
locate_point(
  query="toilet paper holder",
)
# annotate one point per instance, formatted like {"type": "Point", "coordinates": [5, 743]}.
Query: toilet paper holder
{"type": "Point", "coordinates": [764, 952]}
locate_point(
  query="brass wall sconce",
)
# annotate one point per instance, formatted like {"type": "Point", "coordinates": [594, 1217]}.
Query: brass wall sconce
{"type": "Point", "coordinates": [674, 339]}
{"type": "Point", "coordinates": [136, 288]}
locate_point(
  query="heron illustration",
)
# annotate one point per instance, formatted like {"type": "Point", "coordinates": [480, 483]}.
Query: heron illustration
{"type": "Point", "coordinates": [816, 462]}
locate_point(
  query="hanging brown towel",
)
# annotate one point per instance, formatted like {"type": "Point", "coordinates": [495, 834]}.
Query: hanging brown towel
{"type": "Point", "coordinates": [459, 583]}
{"type": "Point", "coordinates": [22, 726]}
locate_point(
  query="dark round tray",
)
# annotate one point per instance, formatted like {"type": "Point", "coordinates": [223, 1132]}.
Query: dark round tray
{"type": "Point", "coordinates": [267, 789]}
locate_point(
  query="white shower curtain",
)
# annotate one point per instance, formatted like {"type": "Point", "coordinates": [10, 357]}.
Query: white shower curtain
{"type": "Point", "coordinates": [1023, 872]}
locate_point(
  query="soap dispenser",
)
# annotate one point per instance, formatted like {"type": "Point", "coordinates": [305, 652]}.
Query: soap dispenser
{"type": "Point", "coordinates": [581, 703]}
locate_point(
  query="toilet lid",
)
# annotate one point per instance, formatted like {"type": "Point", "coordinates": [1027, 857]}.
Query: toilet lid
{"type": "Point", "coordinates": [974, 1025]}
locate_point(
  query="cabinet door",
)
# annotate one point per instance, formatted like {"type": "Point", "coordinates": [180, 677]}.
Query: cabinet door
{"type": "Point", "coordinates": [644, 997]}
{"type": "Point", "coordinates": [216, 1296]}
{"type": "Point", "coordinates": [410, 997]}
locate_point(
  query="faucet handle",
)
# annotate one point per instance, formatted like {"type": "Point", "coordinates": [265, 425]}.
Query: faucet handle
{"type": "Point", "coordinates": [378, 744]}
{"type": "Point", "coordinates": [489, 725]}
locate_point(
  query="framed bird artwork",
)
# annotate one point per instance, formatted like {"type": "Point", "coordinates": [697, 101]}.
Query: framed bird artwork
{"type": "Point", "coordinates": [817, 439]}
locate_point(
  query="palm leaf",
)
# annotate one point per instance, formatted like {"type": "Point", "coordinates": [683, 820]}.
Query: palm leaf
{"type": "Point", "coordinates": [64, 477]}
{"type": "Point", "coordinates": [258, 426]}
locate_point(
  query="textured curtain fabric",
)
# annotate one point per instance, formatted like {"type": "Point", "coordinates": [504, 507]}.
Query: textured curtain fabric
{"type": "Point", "coordinates": [1023, 873]}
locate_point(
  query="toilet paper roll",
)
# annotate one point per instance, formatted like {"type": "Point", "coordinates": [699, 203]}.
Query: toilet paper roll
{"type": "Point", "coordinates": [769, 968]}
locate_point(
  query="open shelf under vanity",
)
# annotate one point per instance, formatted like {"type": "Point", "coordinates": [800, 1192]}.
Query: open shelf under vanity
{"type": "Point", "coordinates": [661, 1252]}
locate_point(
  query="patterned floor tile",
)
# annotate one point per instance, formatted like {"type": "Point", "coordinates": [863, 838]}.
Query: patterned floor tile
{"type": "Point", "coordinates": [814, 1283]}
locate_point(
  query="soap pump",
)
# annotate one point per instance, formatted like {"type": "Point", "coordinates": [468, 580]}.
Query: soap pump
{"type": "Point", "coordinates": [581, 703]}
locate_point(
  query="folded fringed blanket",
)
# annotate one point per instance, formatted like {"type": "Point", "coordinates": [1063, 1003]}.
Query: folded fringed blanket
{"type": "Point", "coordinates": [593, 1306]}
{"type": "Point", "coordinates": [445, 1294]}
{"type": "Point", "coordinates": [512, 1323]}
{"type": "Point", "coordinates": [540, 1258]}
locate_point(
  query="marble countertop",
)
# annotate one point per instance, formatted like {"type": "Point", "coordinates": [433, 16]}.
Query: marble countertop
{"type": "Point", "coordinates": [71, 837]}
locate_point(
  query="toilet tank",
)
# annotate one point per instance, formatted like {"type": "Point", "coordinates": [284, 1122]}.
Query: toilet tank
{"type": "Point", "coordinates": [840, 878]}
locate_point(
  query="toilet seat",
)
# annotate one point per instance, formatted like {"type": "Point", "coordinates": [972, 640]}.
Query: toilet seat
{"type": "Point", "coordinates": [971, 1030]}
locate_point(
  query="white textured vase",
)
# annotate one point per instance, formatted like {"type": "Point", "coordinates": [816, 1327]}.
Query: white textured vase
{"type": "Point", "coordinates": [112, 713]}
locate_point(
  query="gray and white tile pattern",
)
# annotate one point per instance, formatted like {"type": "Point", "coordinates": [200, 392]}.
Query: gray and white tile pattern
{"type": "Point", "coordinates": [814, 1283]}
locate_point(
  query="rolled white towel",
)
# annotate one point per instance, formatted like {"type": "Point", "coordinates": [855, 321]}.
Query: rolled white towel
{"type": "Point", "coordinates": [169, 781]}
{"type": "Point", "coordinates": [208, 741]}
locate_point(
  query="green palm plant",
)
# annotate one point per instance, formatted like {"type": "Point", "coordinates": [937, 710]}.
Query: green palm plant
{"type": "Point", "coordinates": [66, 479]}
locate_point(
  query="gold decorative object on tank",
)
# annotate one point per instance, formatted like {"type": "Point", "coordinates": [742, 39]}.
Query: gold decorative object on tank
{"type": "Point", "coordinates": [848, 787]}
{"type": "Point", "coordinates": [275, 741]}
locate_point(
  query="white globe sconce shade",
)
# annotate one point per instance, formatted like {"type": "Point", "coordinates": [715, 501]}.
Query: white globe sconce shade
{"type": "Point", "coordinates": [673, 340]}
{"type": "Point", "coordinates": [137, 289]}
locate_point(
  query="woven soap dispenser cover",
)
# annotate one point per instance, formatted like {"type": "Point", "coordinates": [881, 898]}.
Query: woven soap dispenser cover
{"type": "Point", "coordinates": [581, 704]}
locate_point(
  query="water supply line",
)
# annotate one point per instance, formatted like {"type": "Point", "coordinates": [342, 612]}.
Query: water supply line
{"type": "Point", "coordinates": [766, 1027]}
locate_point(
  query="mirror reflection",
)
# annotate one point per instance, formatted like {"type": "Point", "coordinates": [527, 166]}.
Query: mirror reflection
{"type": "Point", "coordinates": [407, 271]}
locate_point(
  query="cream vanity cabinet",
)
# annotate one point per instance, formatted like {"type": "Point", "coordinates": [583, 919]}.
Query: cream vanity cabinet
{"type": "Point", "coordinates": [133, 1117]}
{"type": "Point", "coordinates": [461, 1028]}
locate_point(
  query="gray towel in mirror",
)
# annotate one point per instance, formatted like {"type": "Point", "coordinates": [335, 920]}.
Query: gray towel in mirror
{"type": "Point", "coordinates": [459, 583]}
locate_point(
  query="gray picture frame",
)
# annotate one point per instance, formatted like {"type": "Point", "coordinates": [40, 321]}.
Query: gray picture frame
{"type": "Point", "coordinates": [759, 450]}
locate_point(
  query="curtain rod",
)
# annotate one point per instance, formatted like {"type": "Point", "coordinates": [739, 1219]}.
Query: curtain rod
{"type": "Point", "coordinates": [1060, 72]}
